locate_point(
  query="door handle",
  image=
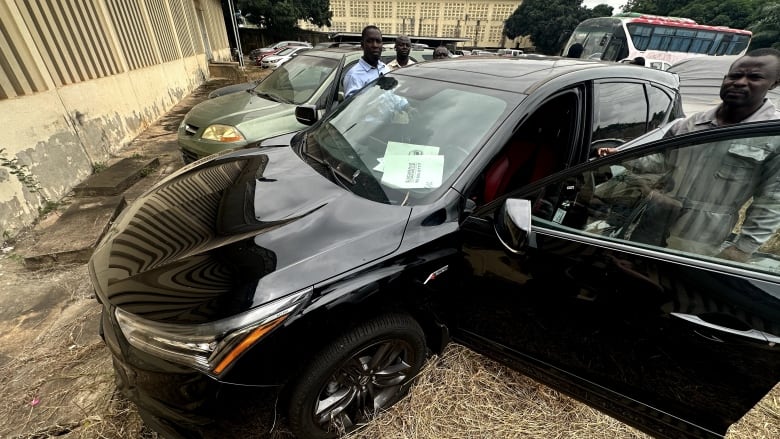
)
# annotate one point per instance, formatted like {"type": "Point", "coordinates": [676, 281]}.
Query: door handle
{"type": "Point", "coordinates": [753, 334]}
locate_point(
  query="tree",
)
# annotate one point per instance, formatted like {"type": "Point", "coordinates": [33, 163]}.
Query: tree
{"type": "Point", "coordinates": [766, 27]}
{"type": "Point", "coordinates": [732, 13]}
{"type": "Point", "coordinates": [549, 22]}
{"type": "Point", "coordinates": [278, 16]}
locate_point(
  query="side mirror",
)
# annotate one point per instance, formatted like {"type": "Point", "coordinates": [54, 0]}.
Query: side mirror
{"type": "Point", "coordinates": [306, 114]}
{"type": "Point", "coordinates": [513, 224]}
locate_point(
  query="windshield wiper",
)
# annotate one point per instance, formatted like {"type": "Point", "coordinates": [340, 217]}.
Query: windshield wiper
{"type": "Point", "coordinates": [337, 173]}
{"type": "Point", "coordinates": [272, 97]}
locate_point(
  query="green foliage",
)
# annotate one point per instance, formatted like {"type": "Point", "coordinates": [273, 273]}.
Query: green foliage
{"type": "Point", "coordinates": [550, 22]}
{"type": "Point", "coordinates": [98, 167]}
{"type": "Point", "coordinates": [21, 172]}
{"type": "Point", "coordinates": [48, 206]}
{"type": "Point", "coordinates": [766, 27]}
{"type": "Point", "coordinates": [280, 16]}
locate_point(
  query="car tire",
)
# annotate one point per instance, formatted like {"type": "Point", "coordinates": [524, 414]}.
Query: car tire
{"type": "Point", "coordinates": [363, 371]}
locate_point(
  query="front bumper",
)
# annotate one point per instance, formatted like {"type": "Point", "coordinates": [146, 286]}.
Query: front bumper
{"type": "Point", "coordinates": [174, 400]}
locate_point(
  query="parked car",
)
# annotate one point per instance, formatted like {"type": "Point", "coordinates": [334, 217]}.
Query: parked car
{"type": "Point", "coordinates": [274, 48]}
{"type": "Point", "coordinates": [509, 52]}
{"type": "Point", "coordinates": [700, 80]}
{"type": "Point", "coordinates": [323, 265]}
{"type": "Point", "coordinates": [234, 88]}
{"type": "Point", "coordinates": [477, 52]}
{"type": "Point", "coordinates": [274, 61]}
{"type": "Point", "coordinates": [239, 119]}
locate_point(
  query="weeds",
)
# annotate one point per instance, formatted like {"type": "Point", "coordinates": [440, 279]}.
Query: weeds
{"type": "Point", "coordinates": [99, 167]}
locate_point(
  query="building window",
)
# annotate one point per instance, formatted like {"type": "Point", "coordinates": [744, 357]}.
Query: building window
{"type": "Point", "coordinates": [358, 9]}
{"type": "Point", "coordinates": [339, 26]}
{"type": "Point", "coordinates": [502, 11]}
{"type": "Point", "coordinates": [383, 10]}
{"type": "Point", "coordinates": [429, 10]}
{"type": "Point", "coordinates": [454, 11]}
{"type": "Point", "coordinates": [406, 9]}
{"type": "Point", "coordinates": [477, 11]}
{"type": "Point", "coordinates": [429, 30]}
{"type": "Point", "coordinates": [339, 8]}
{"type": "Point", "coordinates": [357, 26]}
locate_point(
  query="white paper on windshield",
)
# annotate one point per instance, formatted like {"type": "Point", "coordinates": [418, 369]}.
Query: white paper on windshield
{"type": "Point", "coordinates": [410, 166]}
{"type": "Point", "coordinates": [413, 171]}
{"type": "Point", "coordinates": [399, 148]}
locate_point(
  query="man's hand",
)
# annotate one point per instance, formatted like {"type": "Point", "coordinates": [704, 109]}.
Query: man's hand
{"type": "Point", "coordinates": [603, 152]}
{"type": "Point", "coordinates": [732, 253]}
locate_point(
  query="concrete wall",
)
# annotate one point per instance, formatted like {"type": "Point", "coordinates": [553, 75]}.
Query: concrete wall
{"type": "Point", "coordinates": [65, 109]}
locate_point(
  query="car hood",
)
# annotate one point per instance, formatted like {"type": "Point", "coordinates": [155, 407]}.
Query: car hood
{"type": "Point", "coordinates": [236, 231]}
{"type": "Point", "coordinates": [255, 117]}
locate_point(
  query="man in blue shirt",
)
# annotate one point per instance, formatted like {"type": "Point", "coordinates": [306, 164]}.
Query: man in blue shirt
{"type": "Point", "coordinates": [369, 67]}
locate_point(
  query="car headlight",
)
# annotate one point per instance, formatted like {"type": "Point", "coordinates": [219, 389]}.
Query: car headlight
{"type": "Point", "coordinates": [222, 133]}
{"type": "Point", "coordinates": [209, 347]}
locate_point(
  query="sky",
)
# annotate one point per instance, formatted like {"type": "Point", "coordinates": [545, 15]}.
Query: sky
{"type": "Point", "coordinates": [616, 4]}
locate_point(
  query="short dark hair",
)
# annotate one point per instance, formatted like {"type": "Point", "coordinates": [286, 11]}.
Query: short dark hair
{"type": "Point", "coordinates": [368, 28]}
{"type": "Point", "coordinates": [766, 51]}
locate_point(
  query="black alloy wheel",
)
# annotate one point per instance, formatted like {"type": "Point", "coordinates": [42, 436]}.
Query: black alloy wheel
{"type": "Point", "coordinates": [360, 373]}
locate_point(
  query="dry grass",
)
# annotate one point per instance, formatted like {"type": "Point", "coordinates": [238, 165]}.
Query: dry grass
{"type": "Point", "coordinates": [465, 395]}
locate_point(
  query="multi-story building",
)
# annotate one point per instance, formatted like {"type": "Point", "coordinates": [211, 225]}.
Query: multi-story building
{"type": "Point", "coordinates": [481, 22]}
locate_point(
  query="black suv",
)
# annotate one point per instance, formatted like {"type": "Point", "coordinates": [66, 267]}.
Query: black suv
{"type": "Point", "coordinates": [447, 200]}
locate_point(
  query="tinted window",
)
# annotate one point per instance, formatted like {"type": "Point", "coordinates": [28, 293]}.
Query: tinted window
{"type": "Point", "coordinates": [696, 201]}
{"type": "Point", "coordinates": [659, 103]}
{"type": "Point", "coordinates": [620, 112]}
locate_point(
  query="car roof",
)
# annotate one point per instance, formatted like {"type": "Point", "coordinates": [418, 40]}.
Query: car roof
{"type": "Point", "coordinates": [525, 74]}
{"type": "Point", "coordinates": [332, 52]}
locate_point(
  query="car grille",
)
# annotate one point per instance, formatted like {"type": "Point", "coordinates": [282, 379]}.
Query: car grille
{"type": "Point", "coordinates": [190, 129]}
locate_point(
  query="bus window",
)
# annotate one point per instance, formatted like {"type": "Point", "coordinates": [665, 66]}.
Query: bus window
{"type": "Point", "coordinates": [640, 35]}
{"type": "Point", "coordinates": [702, 42]}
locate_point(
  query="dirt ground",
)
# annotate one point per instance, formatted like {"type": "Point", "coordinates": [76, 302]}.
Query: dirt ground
{"type": "Point", "coordinates": [58, 381]}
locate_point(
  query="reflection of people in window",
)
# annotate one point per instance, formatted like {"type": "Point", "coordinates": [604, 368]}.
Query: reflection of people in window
{"type": "Point", "coordinates": [714, 181]}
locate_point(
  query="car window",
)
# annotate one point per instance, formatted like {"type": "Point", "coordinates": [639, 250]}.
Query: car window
{"type": "Point", "coordinates": [699, 201]}
{"type": "Point", "coordinates": [540, 147]}
{"type": "Point", "coordinates": [660, 104]}
{"type": "Point", "coordinates": [620, 113]}
{"type": "Point", "coordinates": [296, 81]}
{"type": "Point", "coordinates": [344, 71]}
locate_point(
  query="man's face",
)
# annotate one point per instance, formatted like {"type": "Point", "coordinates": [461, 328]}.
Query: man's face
{"type": "Point", "coordinates": [402, 47]}
{"type": "Point", "coordinates": [372, 45]}
{"type": "Point", "coordinates": [748, 80]}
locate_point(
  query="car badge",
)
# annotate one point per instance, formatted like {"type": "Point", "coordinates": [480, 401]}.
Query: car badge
{"type": "Point", "coordinates": [435, 274]}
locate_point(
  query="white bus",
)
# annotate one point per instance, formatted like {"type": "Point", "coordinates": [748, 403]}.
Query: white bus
{"type": "Point", "coordinates": [658, 39]}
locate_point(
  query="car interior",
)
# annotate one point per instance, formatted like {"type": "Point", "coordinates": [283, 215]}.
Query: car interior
{"type": "Point", "coordinates": [539, 148]}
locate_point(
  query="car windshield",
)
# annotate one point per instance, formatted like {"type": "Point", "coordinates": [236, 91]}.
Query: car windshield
{"type": "Point", "coordinates": [287, 51]}
{"type": "Point", "coordinates": [404, 140]}
{"type": "Point", "coordinates": [295, 82]}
